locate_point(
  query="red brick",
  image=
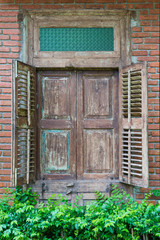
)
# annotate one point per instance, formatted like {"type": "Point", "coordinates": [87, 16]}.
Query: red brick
{"type": "Point", "coordinates": [95, 6]}
{"type": "Point", "coordinates": [154, 11]}
{"type": "Point", "coordinates": [148, 17]}
{"type": "Point", "coordinates": [5, 103]}
{"type": "Point", "coordinates": [4, 37]}
{"type": "Point", "coordinates": [147, 46]}
{"type": "Point", "coordinates": [9, 55]}
{"type": "Point", "coordinates": [157, 120]}
{"type": "Point", "coordinates": [9, 25]}
{"type": "Point", "coordinates": [155, 23]}
{"type": "Point", "coordinates": [137, 40]}
{"type": "Point", "coordinates": [15, 49]}
{"type": "Point", "coordinates": [151, 40]}
{"type": "Point", "coordinates": [53, 6]}
{"type": "Point", "coordinates": [3, 184]}
{"type": "Point", "coordinates": [5, 172]}
{"type": "Point", "coordinates": [151, 29]}
{"type": "Point", "coordinates": [6, 1]}
{"type": "Point", "coordinates": [154, 183]}
{"type": "Point", "coordinates": [155, 34]}
{"type": "Point", "coordinates": [11, 43]}
{"type": "Point", "coordinates": [5, 159]}
{"type": "Point", "coordinates": [2, 60]}
{"type": "Point", "coordinates": [155, 76]}
{"type": "Point", "coordinates": [150, 145]}
{"type": "Point", "coordinates": [142, 6]}
{"type": "Point", "coordinates": [5, 73]}
{"type": "Point", "coordinates": [143, 12]}
{"type": "Point", "coordinates": [5, 109]}
{"type": "Point", "coordinates": [106, 1]}
{"type": "Point", "coordinates": [139, 53]}
{"type": "Point", "coordinates": [6, 165]}
{"type": "Point", "coordinates": [3, 85]}
{"type": "Point", "coordinates": [7, 115]}
{"type": "Point", "coordinates": [145, 23]}
{"type": "Point", "coordinates": [5, 96]}
{"type": "Point", "coordinates": [147, 59]}
{"type": "Point", "coordinates": [31, 6]}
{"type": "Point", "coordinates": [5, 121]}
{"type": "Point", "coordinates": [150, 107]}
{"type": "Point", "coordinates": [5, 178]}
{"type": "Point", "coordinates": [154, 64]}
{"type": "Point", "coordinates": [4, 49]}
{"type": "Point", "coordinates": [5, 67]}
{"type": "Point", "coordinates": [154, 165]}
{"type": "Point", "coordinates": [157, 108]}
{"type": "Point", "coordinates": [151, 70]}
{"type": "Point", "coordinates": [15, 37]}
{"type": "Point", "coordinates": [23, 1]}
{"type": "Point", "coordinates": [154, 53]}
{"type": "Point", "coordinates": [158, 171]}
{"type": "Point", "coordinates": [158, 159]}
{"type": "Point", "coordinates": [2, 190]}
{"type": "Point", "coordinates": [157, 145]}
{"type": "Point", "coordinates": [140, 196]}
{"type": "Point", "coordinates": [8, 19]}
{"type": "Point", "coordinates": [42, 1]}
{"type": "Point", "coordinates": [73, 6]}
{"type": "Point", "coordinates": [154, 127]}
{"type": "Point", "coordinates": [152, 82]}
{"type": "Point", "coordinates": [7, 13]}
{"type": "Point", "coordinates": [145, 190]}
{"type": "Point", "coordinates": [151, 170]}
{"type": "Point", "coordinates": [156, 133]}
{"type": "Point", "coordinates": [150, 120]}
{"type": "Point", "coordinates": [140, 35]}
{"type": "Point", "coordinates": [5, 134]}
{"type": "Point", "coordinates": [136, 29]}
{"type": "Point", "coordinates": [64, 1]}
{"type": "Point", "coordinates": [11, 31]}
{"type": "Point", "coordinates": [116, 6]}
{"type": "Point", "coordinates": [6, 153]}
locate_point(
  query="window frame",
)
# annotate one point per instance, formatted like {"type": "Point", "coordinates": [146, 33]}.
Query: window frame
{"type": "Point", "coordinates": [119, 20]}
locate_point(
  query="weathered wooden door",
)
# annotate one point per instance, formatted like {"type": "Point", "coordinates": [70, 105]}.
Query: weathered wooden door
{"type": "Point", "coordinates": [78, 131]}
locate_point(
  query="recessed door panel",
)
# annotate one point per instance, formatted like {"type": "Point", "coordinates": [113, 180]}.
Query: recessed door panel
{"type": "Point", "coordinates": [55, 151]}
{"type": "Point", "coordinates": [55, 95]}
{"type": "Point", "coordinates": [98, 151]}
{"type": "Point", "coordinates": [97, 96]}
{"type": "Point", "coordinates": [97, 125]}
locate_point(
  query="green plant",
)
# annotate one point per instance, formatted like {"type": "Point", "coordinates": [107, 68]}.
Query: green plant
{"type": "Point", "coordinates": [110, 218]}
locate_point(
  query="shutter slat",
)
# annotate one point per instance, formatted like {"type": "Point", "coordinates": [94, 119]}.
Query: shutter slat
{"type": "Point", "coordinates": [133, 142]}
{"type": "Point", "coordinates": [24, 123]}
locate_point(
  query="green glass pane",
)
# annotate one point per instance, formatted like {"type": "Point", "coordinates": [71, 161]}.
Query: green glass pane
{"type": "Point", "coordinates": [76, 39]}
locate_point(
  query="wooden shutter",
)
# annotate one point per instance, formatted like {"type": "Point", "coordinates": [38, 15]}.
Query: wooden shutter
{"type": "Point", "coordinates": [133, 127]}
{"type": "Point", "coordinates": [23, 123]}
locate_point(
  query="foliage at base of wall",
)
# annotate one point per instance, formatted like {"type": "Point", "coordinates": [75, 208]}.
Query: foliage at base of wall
{"type": "Point", "coordinates": [115, 217]}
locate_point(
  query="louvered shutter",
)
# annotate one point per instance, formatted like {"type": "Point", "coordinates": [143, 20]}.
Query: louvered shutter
{"type": "Point", "coordinates": [23, 123]}
{"type": "Point", "coordinates": [133, 125]}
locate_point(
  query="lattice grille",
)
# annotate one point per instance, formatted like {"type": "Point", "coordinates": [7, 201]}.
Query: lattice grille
{"type": "Point", "coordinates": [76, 39]}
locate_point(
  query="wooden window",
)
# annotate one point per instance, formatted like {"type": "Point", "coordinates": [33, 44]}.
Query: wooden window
{"type": "Point", "coordinates": [23, 123]}
{"type": "Point", "coordinates": [133, 130]}
{"type": "Point", "coordinates": [82, 106]}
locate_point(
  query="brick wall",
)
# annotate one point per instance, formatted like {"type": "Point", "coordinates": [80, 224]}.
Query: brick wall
{"type": "Point", "coordinates": [145, 47]}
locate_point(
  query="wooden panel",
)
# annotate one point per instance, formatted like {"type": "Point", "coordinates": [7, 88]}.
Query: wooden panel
{"type": "Point", "coordinates": [55, 151]}
{"type": "Point", "coordinates": [98, 151]}
{"type": "Point", "coordinates": [133, 130]}
{"type": "Point", "coordinates": [97, 96]}
{"type": "Point", "coordinates": [97, 125]}
{"type": "Point", "coordinates": [55, 97]}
